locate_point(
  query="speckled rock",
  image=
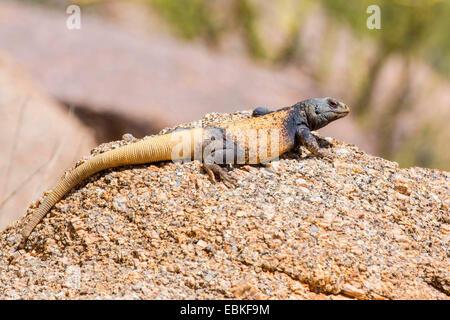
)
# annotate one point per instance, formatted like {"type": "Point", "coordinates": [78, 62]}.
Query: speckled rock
{"type": "Point", "coordinates": [298, 228]}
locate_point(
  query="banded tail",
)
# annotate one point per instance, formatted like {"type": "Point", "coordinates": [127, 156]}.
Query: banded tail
{"type": "Point", "coordinates": [154, 149]}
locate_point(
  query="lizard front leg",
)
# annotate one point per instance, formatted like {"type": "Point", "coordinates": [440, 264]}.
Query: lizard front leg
{"type": "Point", "coordinates": [307, 139]}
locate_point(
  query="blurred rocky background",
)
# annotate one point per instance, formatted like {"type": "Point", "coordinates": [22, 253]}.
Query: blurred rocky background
{"type": "Point", "coordinates": [138, 66]}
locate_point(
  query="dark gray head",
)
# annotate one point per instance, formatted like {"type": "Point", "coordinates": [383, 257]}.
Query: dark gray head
{"type": "Point", "coordinates": [321, 111]}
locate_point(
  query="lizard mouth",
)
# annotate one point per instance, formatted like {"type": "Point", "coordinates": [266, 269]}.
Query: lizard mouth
{"type": "Point", "coordinates": [343, 113]}
{"type": "Point", "coordinates": [344, 110]}
{"type": "Point", "coordinates": [337, 114]}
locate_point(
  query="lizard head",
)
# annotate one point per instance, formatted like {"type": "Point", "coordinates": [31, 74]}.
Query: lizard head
{"type": "Point", "coordinates": [321, 111]}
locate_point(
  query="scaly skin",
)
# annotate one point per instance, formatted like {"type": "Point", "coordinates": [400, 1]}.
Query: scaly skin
{"type": "Point", "coordinates": [292, 124]}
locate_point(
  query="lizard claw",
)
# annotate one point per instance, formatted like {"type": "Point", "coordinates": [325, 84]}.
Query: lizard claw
{"type": "Point", "coordinates": [212, 169]}
{"type": "Point", "coordinates": [324, 143]}
{"type": "Point", "coordinates": [325, 155]}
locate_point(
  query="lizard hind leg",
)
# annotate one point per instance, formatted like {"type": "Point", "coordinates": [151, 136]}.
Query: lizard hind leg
{"type": "Point", "coordinates": [213, 165]}
{"type": "Point", "coordinates": [213, 169]}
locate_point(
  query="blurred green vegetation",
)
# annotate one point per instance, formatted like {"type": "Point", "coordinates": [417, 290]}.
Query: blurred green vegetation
{"type": "Point", "coordinates": [412, 28]}
{"type": "Point", "coordinates": [190, 19]}
{"type": "Point", "coordinates": [421, 27]}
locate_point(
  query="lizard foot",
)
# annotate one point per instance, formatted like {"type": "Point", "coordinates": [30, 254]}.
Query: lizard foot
{"type": "Point", "coordinates": [212, 169]}
{"type": "Point", "coordinates": [324, 143]}
{"type": "Point", "coordinates": [325, 155]}
{"type": "Point", "coordinates": [320, 153]}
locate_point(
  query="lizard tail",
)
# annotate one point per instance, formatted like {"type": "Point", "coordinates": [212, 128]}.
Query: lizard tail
{"type": "Point", "coordinates": [154, 149]}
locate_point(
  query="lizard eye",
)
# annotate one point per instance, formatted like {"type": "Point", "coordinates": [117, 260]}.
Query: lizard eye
{"type": "Point", "coordinates": [333, 103]}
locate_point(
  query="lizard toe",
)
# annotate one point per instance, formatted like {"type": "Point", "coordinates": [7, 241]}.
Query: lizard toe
{"type": "Point", "coordinates": [212, 169]}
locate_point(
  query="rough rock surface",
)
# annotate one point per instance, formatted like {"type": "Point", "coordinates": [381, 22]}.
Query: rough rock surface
{"type": "Point", "coordinates": [299, 228]}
